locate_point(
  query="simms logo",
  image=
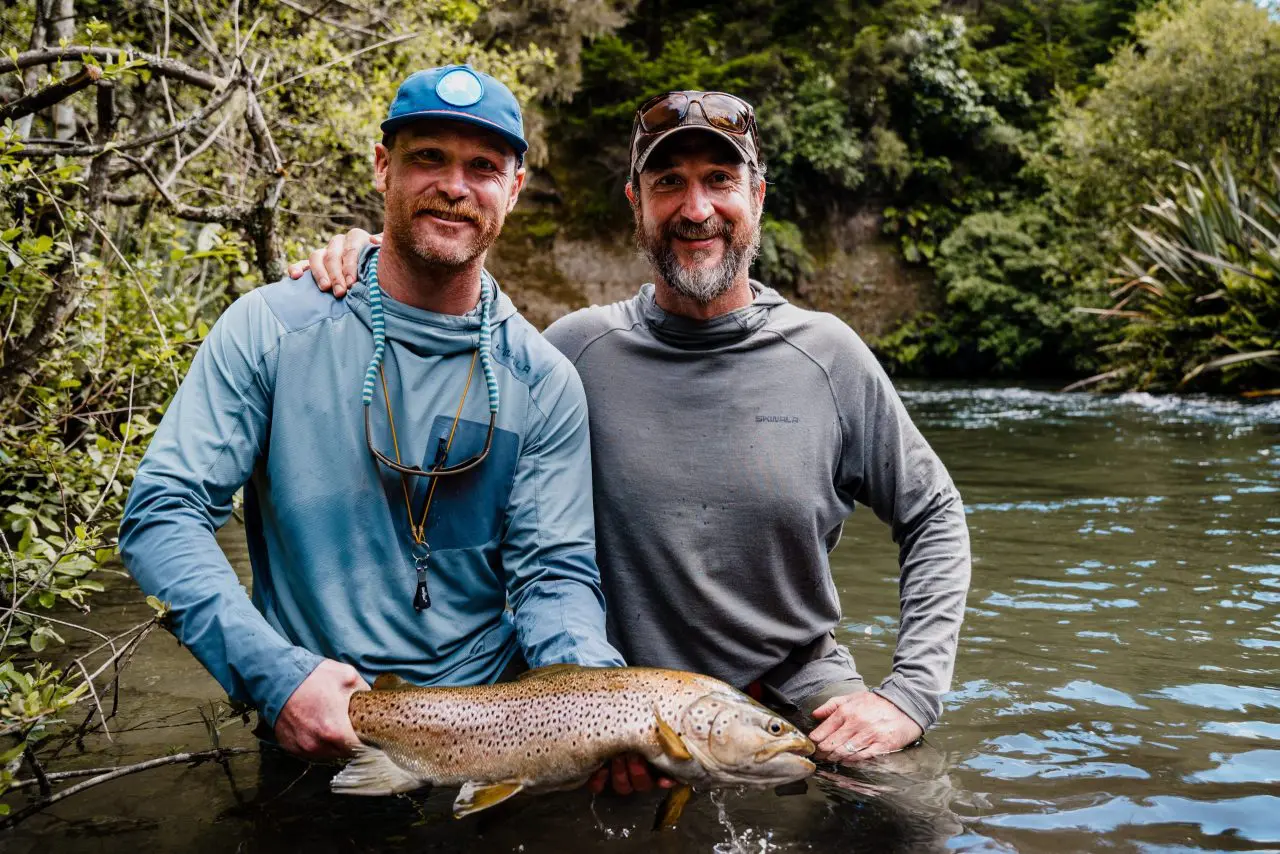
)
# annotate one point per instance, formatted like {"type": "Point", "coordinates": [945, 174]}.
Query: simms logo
{"type": "Point", "coordinates": [778, 419]}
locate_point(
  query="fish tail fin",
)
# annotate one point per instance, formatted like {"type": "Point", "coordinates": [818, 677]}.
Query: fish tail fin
{"type": "Point", "coordinates": [372, 772]}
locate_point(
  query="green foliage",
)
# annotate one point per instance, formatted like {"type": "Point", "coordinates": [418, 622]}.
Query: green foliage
{"type": "Point", "coordinates": [1203, 299]}
{"type": "Point", "coordinates": [784, 258]}
{"type": "Point", "coordinates": [1204, 74]}
{"type": "Point", "coordinates": [854, 101]}
{"type": "Point", "coordinates": [1007, 303]}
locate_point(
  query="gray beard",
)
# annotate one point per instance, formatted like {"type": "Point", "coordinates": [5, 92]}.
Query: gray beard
{"type": "Point", "coordinates": [702, 285]}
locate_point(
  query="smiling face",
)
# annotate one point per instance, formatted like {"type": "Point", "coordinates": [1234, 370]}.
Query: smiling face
{"type": "Point", "coordinates": [698, 214]}
{"type": "Point", "coordinates": [449, 187]}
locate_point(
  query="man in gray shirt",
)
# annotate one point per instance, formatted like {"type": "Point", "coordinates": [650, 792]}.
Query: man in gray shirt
{"type": "Point", "coordinates": [731, 435]}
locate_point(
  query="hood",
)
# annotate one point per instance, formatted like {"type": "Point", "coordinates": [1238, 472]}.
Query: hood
{"type": "Point", "coordinates": [686, 333]}
{"type": "Point", "coordinates": [427, 333]}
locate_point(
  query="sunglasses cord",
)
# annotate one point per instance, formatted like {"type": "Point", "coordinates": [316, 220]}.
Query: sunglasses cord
{"type": "Point", "coordinates": [422, 551]}
{"type": "Point", "coordinates": [379, 324]}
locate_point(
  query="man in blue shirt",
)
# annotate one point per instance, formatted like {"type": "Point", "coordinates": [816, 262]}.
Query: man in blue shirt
{"type": "Point", "coordinates": [416, 458]}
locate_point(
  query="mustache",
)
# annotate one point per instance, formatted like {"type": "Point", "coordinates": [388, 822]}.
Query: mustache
{"type": "Point", "coordinates": [456, 211]}
{"type": "Point", "coordinates": [686, 230]}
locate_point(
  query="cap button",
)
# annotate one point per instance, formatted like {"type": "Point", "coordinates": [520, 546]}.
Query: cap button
{"type": "Point", "coordinates": [460, 88]}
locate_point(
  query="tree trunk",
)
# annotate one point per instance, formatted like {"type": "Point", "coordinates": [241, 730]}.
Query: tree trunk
{"type": "Point", "coordinates": [31, 77]}
{"type": "Point", "coordinates": [64, 27]}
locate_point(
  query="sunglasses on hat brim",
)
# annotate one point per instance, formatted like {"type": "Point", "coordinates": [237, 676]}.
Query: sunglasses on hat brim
{"type": "Point", "coordinates": [721, 110]}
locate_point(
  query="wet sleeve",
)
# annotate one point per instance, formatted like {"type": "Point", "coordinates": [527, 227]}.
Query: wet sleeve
{"type": "Point", "coordinates": [887, 465]}
{"type": "Point", "coordinates": [211, 438]}
{"type": "Point", "coordinates": [548, 547]}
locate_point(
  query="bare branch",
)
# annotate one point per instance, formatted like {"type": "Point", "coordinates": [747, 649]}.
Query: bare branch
{"type": "Point", "coordinates": [220, 754]}
{"type": "Point", "coordinates": [52, 94]}
{"type": "Point", "coordinates": [225, 214]}
{"type": "Point", "coordinates": [160, 65]}
{"type": "Point", "coordinates": [138, 142]}
{"type": "Point", "coordinates": [310, 13]}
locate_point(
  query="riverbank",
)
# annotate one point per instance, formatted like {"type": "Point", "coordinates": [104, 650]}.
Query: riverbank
{"type": "Point", "coordinates": [858, 273]}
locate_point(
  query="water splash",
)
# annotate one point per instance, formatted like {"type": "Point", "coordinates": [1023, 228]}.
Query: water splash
{"type": "Point", "coordinates": [606, 830]}
{"type": "Point", "coordinates": [748, 841]}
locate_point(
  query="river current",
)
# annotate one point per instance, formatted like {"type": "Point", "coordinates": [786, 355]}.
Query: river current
{"type": "Point", "coordinates": [1117, 686]}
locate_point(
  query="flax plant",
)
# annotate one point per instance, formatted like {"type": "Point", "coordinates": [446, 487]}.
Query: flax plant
{"type": "Point", "coordinates": [1202, 296]}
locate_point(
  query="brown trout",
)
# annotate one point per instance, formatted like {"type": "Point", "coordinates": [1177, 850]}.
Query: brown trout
{"type": "Point", "coordinates": [552, 728]}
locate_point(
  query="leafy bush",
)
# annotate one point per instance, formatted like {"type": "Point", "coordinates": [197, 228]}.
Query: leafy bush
{"type": "Point", "coordinates": [1203, 74]}
{"type": "Point", "coordinates": [1203, 299]}
{"type": "Point", "coordinates": [1008, 303]}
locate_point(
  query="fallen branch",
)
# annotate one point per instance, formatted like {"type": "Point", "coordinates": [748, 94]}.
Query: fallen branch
{"type": "Point", "coordinates": [220, 754]}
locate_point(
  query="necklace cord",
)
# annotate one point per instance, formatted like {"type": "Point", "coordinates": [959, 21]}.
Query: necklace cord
{"type": "Point", "coordinates": [419, 529]}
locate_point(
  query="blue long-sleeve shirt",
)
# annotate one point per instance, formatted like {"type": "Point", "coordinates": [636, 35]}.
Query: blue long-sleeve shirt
{"type": "Point", "coordinates": [272, 403]}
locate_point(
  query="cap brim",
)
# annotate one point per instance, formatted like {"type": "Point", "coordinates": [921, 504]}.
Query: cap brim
{"type": "Point", "coordinates": [638, 166]}
{"type": "Point", "coordinates": [450, 115]}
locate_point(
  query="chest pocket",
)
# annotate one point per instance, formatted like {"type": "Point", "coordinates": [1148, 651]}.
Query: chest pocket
{"type": "Point", "coordinates": [467, 508]}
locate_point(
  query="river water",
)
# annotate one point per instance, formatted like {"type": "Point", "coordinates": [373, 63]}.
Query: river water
{"type": "Point", "coordinates": [1117, 686]}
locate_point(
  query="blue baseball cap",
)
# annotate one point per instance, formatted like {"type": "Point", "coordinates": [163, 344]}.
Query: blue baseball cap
{"type": "Point", "coordinates": [459, 93]}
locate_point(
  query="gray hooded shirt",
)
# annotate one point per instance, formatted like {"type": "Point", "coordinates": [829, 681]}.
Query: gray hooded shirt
{"type": "Point", "coordinates": [726, 456]}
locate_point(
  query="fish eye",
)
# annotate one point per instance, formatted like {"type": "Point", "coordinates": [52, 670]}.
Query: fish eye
{"type": "Point", "coordinates": [775, 727]}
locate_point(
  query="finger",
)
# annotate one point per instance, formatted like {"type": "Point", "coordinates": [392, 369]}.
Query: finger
{"type": "Point", "coordinates": [667, 783]}
{"type": "Point", "coordinates": [838, 739]}
{"type": "Point", "coordinates": [621, 783]}
{"type": "Point", "coordinates": [333, 263]}
{"type": "Point", "coordinates": [376, 239]}
{"type": "Point", "coordinates": [319, 272]}
{"type": "Point", "coordinates": [357, 239]}
{"type": "Point", "coordinates": [834, 722]}
{"type": "Point", "coordinates": [598, 780]}
{"type": "Point", "coordinates": [297, 268]}
{"type": "Point", "coordinates": [639, 770]}
{"type": "Point", "coordinates": [830, 706]}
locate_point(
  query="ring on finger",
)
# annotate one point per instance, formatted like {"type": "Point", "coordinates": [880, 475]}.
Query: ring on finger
{"type": "Point", "coordinates": [850, 747]}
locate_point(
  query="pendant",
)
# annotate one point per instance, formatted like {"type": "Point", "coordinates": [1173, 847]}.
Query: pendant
{"type": "Point", "coordinates": [421, 596]}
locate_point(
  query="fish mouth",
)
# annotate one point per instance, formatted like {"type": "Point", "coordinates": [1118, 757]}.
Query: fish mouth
{"type": "Point", "coordinates": [799, 745]}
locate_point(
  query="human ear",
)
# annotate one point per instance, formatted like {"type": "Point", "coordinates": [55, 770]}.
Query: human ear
{"type": "Point", "coordinates": [381, 163]}
{"type": "Point", "coordinates": [516, 186]}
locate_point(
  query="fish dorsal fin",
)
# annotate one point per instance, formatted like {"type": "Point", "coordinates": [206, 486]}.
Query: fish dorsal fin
{"type": "Point", "coordinates": [473, 796]}
{"type": "Point", "coordinates": [372, 772]}
{"type": "Point", "coordinates": [549, 670]}
{"type": "Point", "coordinates": [389, 682]}
{"type": "Point", "coordinates": [670, 741]}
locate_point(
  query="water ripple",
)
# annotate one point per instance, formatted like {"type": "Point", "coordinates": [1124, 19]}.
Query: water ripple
{"type": "Point", "coordinates": [1229, 698]}
{"type": "Point", "coordinates": [1251, 817]}
{"type": "Point", "coordinates": [1254, 766]}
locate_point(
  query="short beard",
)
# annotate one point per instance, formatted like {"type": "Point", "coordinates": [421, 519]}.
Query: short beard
{"type": "Point", "coordinates": [421, 246]}
{"type": "Point", "coordinates": [702, 285]}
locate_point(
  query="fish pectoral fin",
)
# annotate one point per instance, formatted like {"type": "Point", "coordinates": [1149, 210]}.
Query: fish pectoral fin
{"type": "Point", "coordinates": [672, 807]}
{"type": "Point", "coordinates": [372, 772]}
{"type": "Point", "coordinates": [548, 670]}
{"type": "Point", "coordinates": [389, 682]}
{"type": "Point", "coordinates": [669, 739]}
{"type": "Point", "coordinates": [473, 797]}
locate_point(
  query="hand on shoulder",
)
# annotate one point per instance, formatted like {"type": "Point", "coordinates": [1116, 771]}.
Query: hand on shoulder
{"type": "Point", "coordinates": [334, 266]}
